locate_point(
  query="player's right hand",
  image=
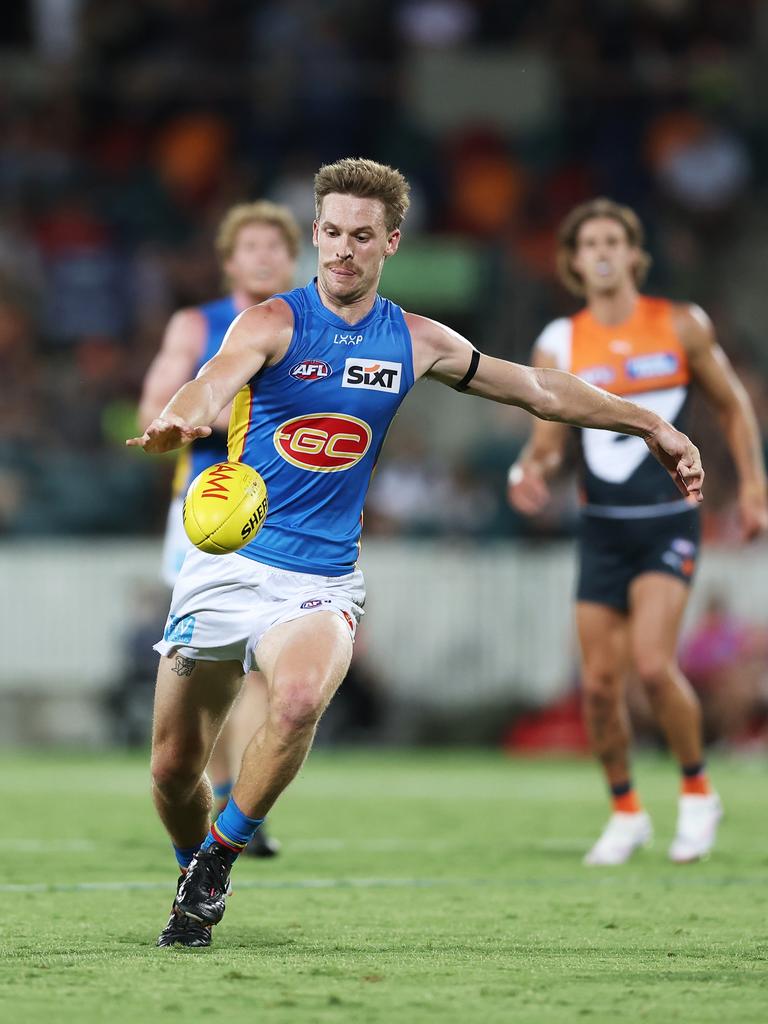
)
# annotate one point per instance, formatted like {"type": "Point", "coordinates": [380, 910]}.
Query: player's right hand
{"type": "Point", "coordinates": [527, 490]}
{"type": "Point", "coordinates": [753, 509]}
{"type": "Point", "coordinates": [167, 433]}
{"type": "Point", "coordinates": [680, 457]}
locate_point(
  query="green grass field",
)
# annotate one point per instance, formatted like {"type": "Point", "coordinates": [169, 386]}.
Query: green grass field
{"type": "Point", "coordinates": [412, 887]}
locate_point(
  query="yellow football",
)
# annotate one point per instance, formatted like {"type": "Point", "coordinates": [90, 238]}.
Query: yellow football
{"type": "Point", "coordinates": [225, 507]}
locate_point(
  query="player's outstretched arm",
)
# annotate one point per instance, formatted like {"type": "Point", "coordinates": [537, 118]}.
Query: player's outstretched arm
{"type": "Point", "coordinates": [258, 337]}
{"type": "Point", "coordinates": [712, 371]}
{"type": "Point", "coordinates": [552, 395]}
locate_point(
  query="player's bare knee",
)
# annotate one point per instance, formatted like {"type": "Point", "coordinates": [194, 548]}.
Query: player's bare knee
{"type": "Point", "coordinates": [297, 707]}
{"type": "Point", "coordinates": [174, 773]}
{"type": "Point", "coordinates": [600, 689]}
{"type": "Point", "coordinates": [655, 672]}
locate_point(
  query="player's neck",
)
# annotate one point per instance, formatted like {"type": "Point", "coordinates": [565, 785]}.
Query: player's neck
{"type": "Point", "coordinates": [614, 307]}
{"type": "Point", "coordinates": [351, 312]}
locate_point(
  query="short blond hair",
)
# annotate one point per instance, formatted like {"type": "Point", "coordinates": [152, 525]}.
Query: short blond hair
{"type": "Point", "coordinates": [260, 212]}
{"type": "Point", "coordinates": [568, 239]}
{"type": "Point", "coordinates": [366, 179]}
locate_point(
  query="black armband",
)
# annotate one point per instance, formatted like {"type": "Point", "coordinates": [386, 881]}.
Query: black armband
{"type": "Point", "coordinates": [466, 380]}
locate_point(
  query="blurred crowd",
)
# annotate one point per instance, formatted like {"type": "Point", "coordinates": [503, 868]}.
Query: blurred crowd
{"type": "Point", "coordinates": [127, 129]}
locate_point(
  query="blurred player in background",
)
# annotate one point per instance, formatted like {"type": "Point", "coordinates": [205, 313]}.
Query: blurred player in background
{"type": "Point", "coordinates": [318, 374]}
{"type": "Point", "coordinates": [257, 246]}
{"type": "Point", "coordinates": [639, 539]}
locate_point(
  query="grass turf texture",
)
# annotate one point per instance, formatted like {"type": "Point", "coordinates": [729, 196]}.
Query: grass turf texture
{"type": "Point", "coordinates": [412, 887]}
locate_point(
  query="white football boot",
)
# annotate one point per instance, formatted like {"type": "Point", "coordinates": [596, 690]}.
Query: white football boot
{"type": "Point", "coordinates": [623, 834]}
{"type": "Point", "coordinates": [697, 821]}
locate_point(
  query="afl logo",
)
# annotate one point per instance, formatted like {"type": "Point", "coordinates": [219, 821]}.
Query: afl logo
{"type": "Point", "coordinates": [311, 369]}
{"type": "Point", "coordinates": [323, 442]}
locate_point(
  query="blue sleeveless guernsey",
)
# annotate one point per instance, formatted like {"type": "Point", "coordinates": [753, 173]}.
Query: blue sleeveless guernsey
{"type": "Point", "coordinates": [206, 451]}
{"type": "Point", "coordinates": [313, 425]}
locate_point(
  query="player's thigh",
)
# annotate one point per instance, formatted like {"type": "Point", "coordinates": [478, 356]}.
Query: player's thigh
{"type": "Point", "coordinates": [657, 603]}
{"type": "Point", "coordinates": [248, 715]}
{"type": "Point", "coordinates": [305, 660]}
{"type": "Point", "coordinates": [192, 699]}
{"type": "Point", "coordinates": [603, 639]}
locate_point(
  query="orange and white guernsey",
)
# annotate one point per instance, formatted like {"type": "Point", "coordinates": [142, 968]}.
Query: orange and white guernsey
{"type": "Point", "coordinates": [641, 359]}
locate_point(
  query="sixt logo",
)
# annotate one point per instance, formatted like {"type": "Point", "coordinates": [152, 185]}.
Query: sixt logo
{"type": "Point", "coordinates": [218, 476]}
{"type": "Point", "coordinates": [378, 376]}
{"type": "Point", "coordinates": [347, 339]}
{"type": "Point", "coordinates": [311, 369]}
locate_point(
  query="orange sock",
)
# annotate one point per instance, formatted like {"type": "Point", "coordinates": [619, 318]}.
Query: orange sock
{"type": "Point", "coordinates": [627, 803]}
{"type": "Point", "coordinates": [695, 785]}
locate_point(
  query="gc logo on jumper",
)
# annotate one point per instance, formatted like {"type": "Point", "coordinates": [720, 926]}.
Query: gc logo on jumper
{"type": "Point", "coordinates": [372, 376]}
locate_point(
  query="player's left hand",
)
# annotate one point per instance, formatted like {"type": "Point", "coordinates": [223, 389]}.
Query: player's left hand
{"type": "Point", "coordinates": [753, 510]}
{"type": "Point", "coordinates": [680, 457]}
{"type": "Point", "coordinates": [165, 434]}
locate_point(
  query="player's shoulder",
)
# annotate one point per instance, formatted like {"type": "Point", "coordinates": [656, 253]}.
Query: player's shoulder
{"type": "Point", "coordinates": [185, 332]}
{"type": "Point", "coordinates": [187, 316]}
{"type": "Point", "coordinates": [268, 323]}
{"type": "Point", "coordinates": [554, 342]}
{"type": "Point", "coordinates": [691, 323]}
{"type": "Point", "coordinates": [426, 331]}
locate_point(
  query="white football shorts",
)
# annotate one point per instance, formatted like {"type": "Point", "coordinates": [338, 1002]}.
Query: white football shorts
{"type": "Point", "coordinates": [222, 605]}
{"type": "Point", "coordinates": [176, 543]}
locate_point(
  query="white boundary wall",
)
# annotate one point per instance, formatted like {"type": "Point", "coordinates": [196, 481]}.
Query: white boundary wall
{"type": "Point", "coordinates": [448, 627]}
{"type": "Point", "coordinates": [445, 623]}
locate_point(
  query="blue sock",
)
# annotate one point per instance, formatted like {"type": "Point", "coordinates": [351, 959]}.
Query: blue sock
{"type": "Point", "coordinates": [222, 792]}
{"type": "Point", "coordinates": [184, 855]}
{"type": "Point", "coordinates": [232, 829]}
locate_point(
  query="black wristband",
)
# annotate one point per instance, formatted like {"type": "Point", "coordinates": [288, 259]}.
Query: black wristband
{"type": "Point", "coordinates": [467, 378]}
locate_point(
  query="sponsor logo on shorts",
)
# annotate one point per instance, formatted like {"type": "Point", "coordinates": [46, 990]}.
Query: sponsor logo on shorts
{"type": "Point", "coordinates": [179, 629]}
{"type": "Point", "coordinates": [350, 622]}
{"type": "Point", "coordinates": [658, 364]}
{"type": "Point", "coordinates": [323, 442]}
{"type": "Point", "coordinates": [347, 339]}
{"type": "Point", "coordinates": [680, 563]}
{"type": "Point", "coordinates": [683, 547]}
{"type": "Point", "coordinates": [373, 375]}
{"type": "Point", "coordinates": [315, 602]}
{"type": "Point", "coordinates": [600, 376]}
{"type": "Point", "coordinates": [311, 369]}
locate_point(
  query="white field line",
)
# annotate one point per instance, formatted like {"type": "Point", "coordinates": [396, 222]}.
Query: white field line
{"type": "Point", "coordinates": [297, 883]}
{"type": "Point", "coordinates": [609, 878]}
{"type": "Point", "coordinates": [47, 845]}
{"type": "Point", "coordinates": [386, 844]}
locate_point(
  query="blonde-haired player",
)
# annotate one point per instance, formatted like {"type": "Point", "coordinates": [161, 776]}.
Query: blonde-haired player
{"type": "Point", "coordinates": [317, 375]}
{"type": "Point", "coordinates": [639, 538]}
{"type": "Point", "coordinates": [257, 245]}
